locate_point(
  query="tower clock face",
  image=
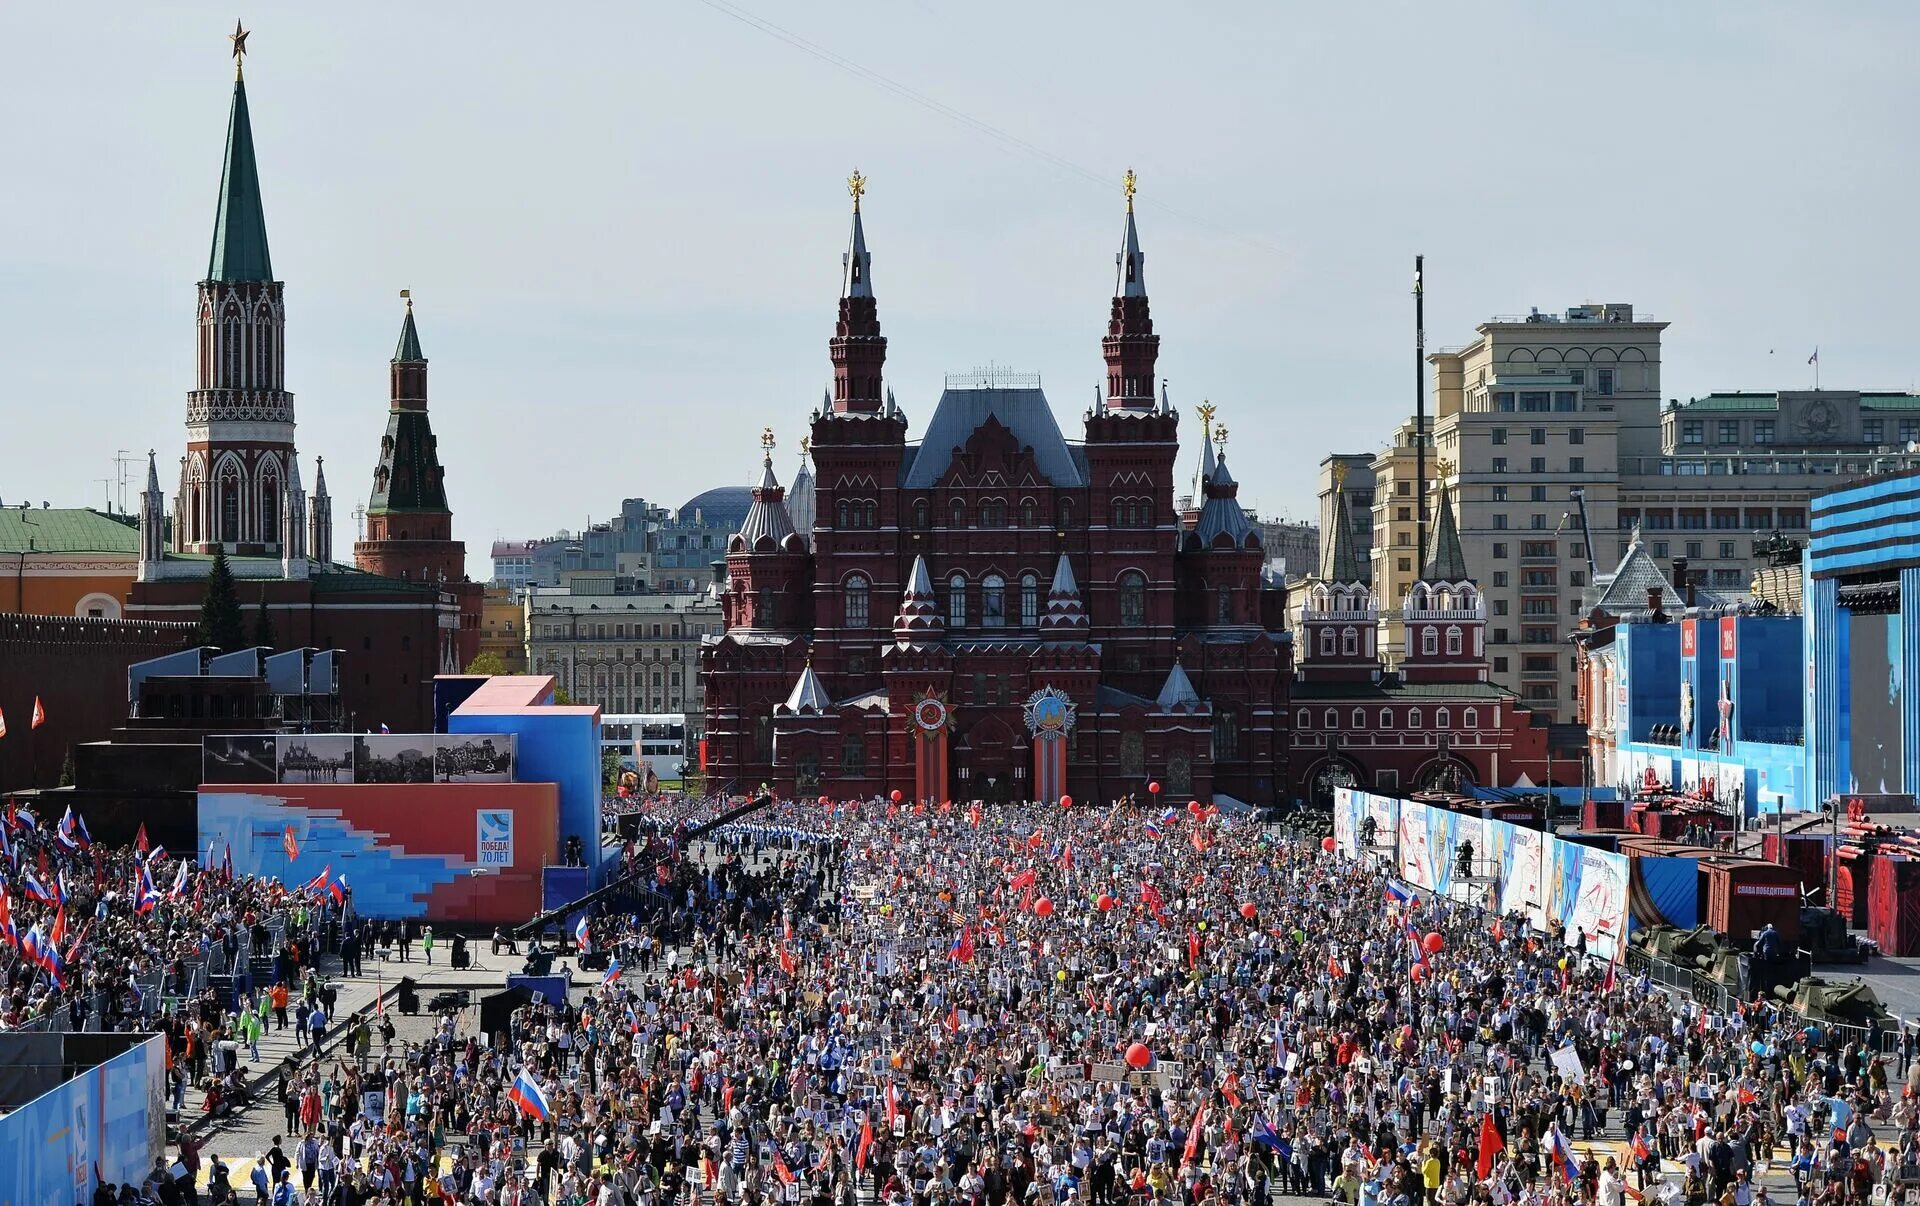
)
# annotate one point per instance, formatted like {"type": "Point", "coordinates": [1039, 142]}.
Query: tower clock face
{"type": "Point", "coordinates": [930, 714]}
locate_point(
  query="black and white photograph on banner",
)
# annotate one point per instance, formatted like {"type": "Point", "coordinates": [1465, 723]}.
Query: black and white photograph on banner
{"type": "Point", "coordinates": [239, 758]}
{"type": "Point", "coordinates": [316, 757]}
{"type": "Point", "coordinates": [393, 758]}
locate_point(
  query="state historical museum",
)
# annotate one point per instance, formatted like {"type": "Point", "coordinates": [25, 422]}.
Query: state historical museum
{"type": "Point", "coordinates": [993, 612]}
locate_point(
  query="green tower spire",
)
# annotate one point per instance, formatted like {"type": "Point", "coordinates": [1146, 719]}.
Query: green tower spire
{"type": "Point", "coordinates": [240, 228]}
{"type": "Point", "coordinates": [1444, 561]}
{"type": "Point", "coordinates": [408, 352]}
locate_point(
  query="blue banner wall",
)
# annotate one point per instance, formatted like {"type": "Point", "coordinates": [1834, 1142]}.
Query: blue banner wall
{"type": "Point", "coordinates": [111, 1118]}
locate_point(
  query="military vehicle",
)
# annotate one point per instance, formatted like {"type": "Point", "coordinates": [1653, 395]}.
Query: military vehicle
{"type": "Point", "coordinates": [1824, 934]}
{"type": "Point", "coordinates": [1849, 1003]}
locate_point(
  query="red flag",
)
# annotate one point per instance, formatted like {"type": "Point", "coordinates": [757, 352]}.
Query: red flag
{"type": "Point", "coordinates": [973, 811]}
{"type": "Point", "coordinates": [140, 838]}
{"type": "Point", "coordinates": [1613, 966]}
{"type": "Point", "coordinates": [39, 715]}
{"type": "Point", "coordinates": [893, 1103]}
{"type": "Point", "coordinates": [780, 1168]}
{"type": "Point", "coordinates": [58, 933]}
{"type": "Point", "coordinates": [288, 844]}
{"type": "Point", "coordinates": [787, 963]}
{"type": "Point", "coordinates": [1193, 1136]}
{"type": "Point", "coordinates": [953, 1018]}
{"type": "Point", "coordinates": [1037, 840]}
{"type": "Point", "coordinates": [1334, 969]}
{"type": "Point", "coordinates": [1193, 948]}
{"type": "Point", "coordinates": [1491, 1145]}
{"type": "Point", "coordinates": [866, 1144]}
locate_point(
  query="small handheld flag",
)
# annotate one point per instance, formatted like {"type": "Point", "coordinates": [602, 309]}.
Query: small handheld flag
{"type": "Point", "coordinates": [39, 715]}
{"type": "Point", "coordinates": [582, 937]}
{"type": "Point", "coordinates": [289, 844]}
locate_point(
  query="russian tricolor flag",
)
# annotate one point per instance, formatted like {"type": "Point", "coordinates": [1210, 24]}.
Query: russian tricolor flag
{"type": "Point", "coordinates": [1561, 1153]}
{"type": "Point", "coordinates": [613, 971]}
{"type": "Point", "coordinates": [525, 1093]}
{"type": "Point", "coordinates": [1397, 894]}
{"type": "Point", "coordinates": [582, 938]}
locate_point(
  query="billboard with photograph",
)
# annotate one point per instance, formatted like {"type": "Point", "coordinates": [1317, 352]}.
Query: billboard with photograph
{"type": "Point", "coordinates": [473, 758]}
{"type": "Point", "coordinates": [239, 758]}
{"type": "Point", "coordinates": [315, 757]}
{"type": "Point", "coordinates": [393, 758]}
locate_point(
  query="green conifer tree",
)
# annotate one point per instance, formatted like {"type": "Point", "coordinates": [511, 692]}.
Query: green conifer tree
{"type": "Point", "coordinates": [221, 624]}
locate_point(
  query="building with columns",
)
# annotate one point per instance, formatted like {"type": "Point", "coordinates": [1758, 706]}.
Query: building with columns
{"type": "Point", "coordinates": [402, 616]}
{"type": "Point", "coordinates": [991, 611]}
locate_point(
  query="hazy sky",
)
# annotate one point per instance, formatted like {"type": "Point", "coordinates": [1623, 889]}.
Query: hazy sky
{"type": "Point", "coordinates": [623, 223]}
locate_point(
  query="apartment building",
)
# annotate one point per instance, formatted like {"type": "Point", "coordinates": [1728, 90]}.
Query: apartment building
{"type": "Point", "coordinates": [625, 649]}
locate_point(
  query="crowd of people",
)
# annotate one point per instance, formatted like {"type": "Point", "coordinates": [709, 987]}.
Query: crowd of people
{"type": "Point", "coordinates": [1056, 1005]}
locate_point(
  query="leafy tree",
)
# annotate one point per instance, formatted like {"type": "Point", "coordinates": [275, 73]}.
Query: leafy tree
{"type": "Point", "coordinates": [263, 624]}
{"type": "Point", "coordinates": [66, 769]}
{"type": "Point", "coordinates": [609, 765]}
{"type": "Point", "coordinates": [487, 663]}
{"type": "Point", "coordinates": [220, 620]}
{"type": "Point", "coordinates": [562, 697]}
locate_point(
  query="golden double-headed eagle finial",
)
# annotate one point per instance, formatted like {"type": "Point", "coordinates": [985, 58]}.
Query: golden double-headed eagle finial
{"type": "Point", "coordinates": [1443, 468]}
{"type": "Point", "coordinates": [766, 438]}
{"type": "Point", "coordinates": [857, 186]}
{"type": "Point", "coordinates": [1339, 475]}
{"type": "Point", "coordinates": [1206, 411]}
{"type": "Point", "coordinates": [1130, 184]}
{"type": "Point", "coordinates": [1220, 435]}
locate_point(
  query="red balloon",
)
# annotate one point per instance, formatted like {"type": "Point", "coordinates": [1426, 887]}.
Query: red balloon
{"type": "Point", "coordinates": [1193, 807]}
{"type": "Point", "coordinates": [1433, 942]}
{"type": "Point", "coordinates": [1154, 787]}
{"type": "Point", "coordinates": [1138, 1056]}
{"type": "Point", "coordinates": [1043, 907]}
{"type": "Point", "coordinates": [1329, 845]}
{"type": "Point", "coordinates": [1066, 801]}
{"type": "Point", "coordinates": [1105, 903]}
{"type": "Point", "coordinates": [824, 801]}
{"type": "Point", "coordinates": [897, 796]}
{"type": "Point", "coordinates": [1249, 910]}
{"type": "Point", "coordinates": [1418, 971]}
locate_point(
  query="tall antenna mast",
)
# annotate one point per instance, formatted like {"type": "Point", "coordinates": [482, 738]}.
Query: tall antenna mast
{"type": "Point", "coordinates": [122, 458]}
{"type": "Point", "coordinates": [1420, 405]}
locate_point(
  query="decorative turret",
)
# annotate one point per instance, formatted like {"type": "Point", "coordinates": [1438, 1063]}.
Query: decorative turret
{"type": "Point", "coordinates": [1444, 613]}
{"type": "Point", "coordinates": [240, 223]}
{"type": "Point", "coordinates": [1131, 348]}
{"type": "Point", "coordinates": [293, 525]}
{"type": "Point", "coordinates": [153, 521]}
{"type": "Point", "coordinates": [1339, 614]}
{"type": "Point", "coordinates": [919, 619]}
{"type": "Point", "coordinates": [858, 349]}
{"type": "Point", "coordinates": [1339, 562]}
{"type": "Point", "coordinates": [768, 527]}
{"type": "Point", "coordinates": [1066, 617]}
{"type": "Point", "coordinates": [320, 530]}
{"type": "Point", "coordinates": [809, 694]}
{"type": "Point", "coordinates": [1178, 695]}
{"type": "Point", "coordinates": [1223, 523]}
{"type": "Point", "coordinates": [800, 499]}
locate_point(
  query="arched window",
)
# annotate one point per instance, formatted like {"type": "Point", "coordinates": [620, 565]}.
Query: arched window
{"type": "Point", "coordinates": [1226, 734]}
{"type": "Point", "coordinates": [1429, 642]}
{"type": "Point", "coordinates": [1306, 720]}
{"type": "Point", "coordinates": [1029, 600]}
{"type": "Point", "coordinates": [1413, 718]}
{"type": "Point", "coordinates": [993, 514]}
{"type": "Point", "coordinates": [1223, 605]}
{"type": "Point", "coordinates": [1359, 718]}
{"type": "Point", "coordinates": [263, 347]}
{"type": "Point", "coordinates": [763, 616]}
{"type": "Point", "coordinates": [922, 513]}
{"type": "Point", "coordinates": [993, 601]}
{"type": "Point", "coordinates": [1133, 754]}
{"type": "Point", "coordinates": [1470, 719]}
{"type": "Point", "coordinates": [856, 602]}
{"type": "Point", "coordinates": [1442, 718]}
{"type": "Point", "coordinates": [230, 504]}
{"type": "Point", "coordinates": [232, 339]}
{"type": "Point", "coordinates": [1386, 718]}
{"type": "Point", "coordinates": [269, 507]}
{"type": "Point", "coordinates": [1066, 514]}
{"type": "Point", "coordinates": [1349, 642]}
{"type": "Point", "coordinates": [844, 513]}
{"type": "Point", "coordinates": [1179, 773]}
{"type": "Point", "coordinates": [957, 601]}
{"type": "Point", "coordinates": [1328, 642]}
{"type": "Point", "coordinates": [872, 514]}
{"type": "Point", "coordinates": [1026, 512]}
{"type": "Point", "coordinates": [1332, 719]}
{"type": "Point", "coordinates": [1133, 598]}
{"type": "Point", "coordinates": [1453, 641]}
{"type": "Point", "coordinates": [959, 514]}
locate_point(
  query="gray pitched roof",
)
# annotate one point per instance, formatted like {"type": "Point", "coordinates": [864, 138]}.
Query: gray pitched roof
{"type": "Point", "coordinates": [768, 515]}
{"type": "Point", "coordinates": [1340, 562]}
{"type": "Point", "coordinates": [809, 693]}
{"type": "Point", "coordinates": [1178, 690]}
{"type": "Point", "coordinates": [1626, 589]}
{"type": "Point", "coordinates": [1024, 412]}
{"type": "Point", "coordinates": [1444, 560]}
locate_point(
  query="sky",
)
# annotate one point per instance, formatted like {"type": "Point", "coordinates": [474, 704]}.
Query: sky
{"type": "Point", "coordinates": [622, 224]}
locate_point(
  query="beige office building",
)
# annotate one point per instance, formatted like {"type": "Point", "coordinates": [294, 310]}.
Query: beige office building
{"type": "Point", "coordinates": [627, 650]}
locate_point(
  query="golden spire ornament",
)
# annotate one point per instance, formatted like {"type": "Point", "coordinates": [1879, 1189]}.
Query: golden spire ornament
{"type": "Point", "coordinates": [1130, 184]}
{"type": "Point", "coordinates": [1220, 437]}
{"type": "Point", "coordinates": [766, 438]}
{"type": "Point", "coordinates": [856, 185]}
{"type": "Point", "coordinates": [239, 39]}
{"type": "Point", "coordinates": [806, 446]}
{"type": "Point", "coordinates": [1206, 411]}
